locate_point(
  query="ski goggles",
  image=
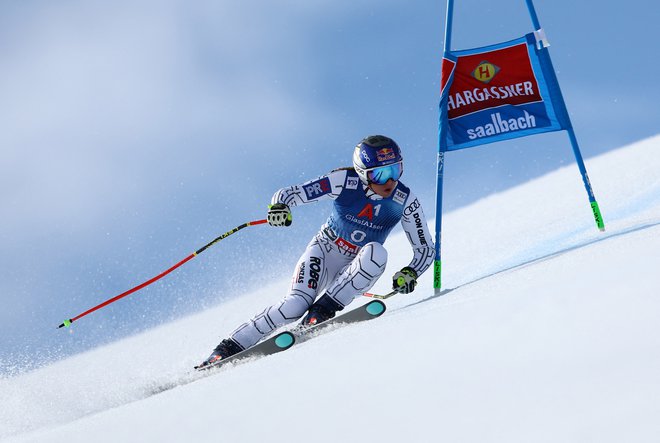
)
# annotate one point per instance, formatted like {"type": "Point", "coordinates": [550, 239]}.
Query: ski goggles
{"type": "Point", "coordinates": [382, 174]}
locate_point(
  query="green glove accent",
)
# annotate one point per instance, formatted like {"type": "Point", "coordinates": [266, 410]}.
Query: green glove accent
{"type": "Point", "coordinates": [405, 280]}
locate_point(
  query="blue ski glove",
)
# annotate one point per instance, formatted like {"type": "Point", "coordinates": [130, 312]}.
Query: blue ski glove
{"type": "Point", "coordinates": [405, 280]}
{"type": "Point", "coordinates": [279, 214]}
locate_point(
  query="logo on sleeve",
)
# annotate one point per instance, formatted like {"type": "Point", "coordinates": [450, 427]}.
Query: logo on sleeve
{"type": "Point", "coordinates": [317, 188]}
{"type": "Point", "coordinates": [412, 207]}
{"type": "Point", "coordinates": [420, 229]}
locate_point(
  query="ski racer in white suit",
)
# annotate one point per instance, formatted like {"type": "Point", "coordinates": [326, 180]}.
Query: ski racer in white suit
{"type": "Point", "coordinates": [346, 257]}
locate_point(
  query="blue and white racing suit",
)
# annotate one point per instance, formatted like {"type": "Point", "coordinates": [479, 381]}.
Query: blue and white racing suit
{"type": "Point", "coordinates": [346, 256]}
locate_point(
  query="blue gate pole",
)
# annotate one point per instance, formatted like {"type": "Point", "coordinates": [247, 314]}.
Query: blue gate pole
{"type": "Point", "coordinates": [442, 144]}
{"type": "Point", "coordinates": [571, 132]}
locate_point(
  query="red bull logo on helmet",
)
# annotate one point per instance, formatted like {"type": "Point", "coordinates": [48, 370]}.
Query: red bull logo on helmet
{"type": "Point", "coordinates": [385, 154]}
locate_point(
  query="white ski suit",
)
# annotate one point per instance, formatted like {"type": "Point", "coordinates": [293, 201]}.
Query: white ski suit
{"type": "Point", "coordinates": [346, 256]}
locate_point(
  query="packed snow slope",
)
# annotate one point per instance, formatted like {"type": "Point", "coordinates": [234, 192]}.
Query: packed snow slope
{"type": "Point", "coordinates": [547, 331]}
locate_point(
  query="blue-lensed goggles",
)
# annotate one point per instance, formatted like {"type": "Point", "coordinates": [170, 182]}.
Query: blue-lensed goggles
{"type": "Point", "coordinates": [382, 174]}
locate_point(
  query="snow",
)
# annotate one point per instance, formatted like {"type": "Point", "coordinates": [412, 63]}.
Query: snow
{"type": "Point", "coordinates": [547, 332]}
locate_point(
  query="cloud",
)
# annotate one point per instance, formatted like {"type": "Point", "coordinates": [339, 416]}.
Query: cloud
{"type": "Point", "coordinates": [98, 99]}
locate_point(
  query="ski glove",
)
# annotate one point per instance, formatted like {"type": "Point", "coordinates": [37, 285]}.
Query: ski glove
{"type": "Point", "coordinates": [279, 214]}
{"type": "Point", "coordinates": [405, 280]}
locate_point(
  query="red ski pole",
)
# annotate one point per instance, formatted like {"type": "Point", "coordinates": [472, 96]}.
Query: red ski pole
{"type": "Point", "coordinates": [68, 322]}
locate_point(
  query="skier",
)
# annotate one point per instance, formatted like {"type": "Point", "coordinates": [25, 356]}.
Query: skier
{"type": "Point", "coordinates": [346, 257]}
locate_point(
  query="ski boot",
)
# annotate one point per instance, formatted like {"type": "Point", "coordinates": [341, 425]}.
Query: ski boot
{"type": "Point", "coordinates": [323, 309]}
{"type": "Point", "coordinates": [226, 348]}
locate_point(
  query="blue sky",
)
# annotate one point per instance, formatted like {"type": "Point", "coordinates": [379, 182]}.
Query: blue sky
{"type": "Point", "coordinates": [132, 133]}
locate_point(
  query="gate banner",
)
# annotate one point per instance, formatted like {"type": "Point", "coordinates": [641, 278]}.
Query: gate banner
{"type": "Point", "coordinates": [499, 92]}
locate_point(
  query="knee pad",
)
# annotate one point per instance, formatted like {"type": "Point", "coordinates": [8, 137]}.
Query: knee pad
{"type": "Point", "coordinates": [373, 258]}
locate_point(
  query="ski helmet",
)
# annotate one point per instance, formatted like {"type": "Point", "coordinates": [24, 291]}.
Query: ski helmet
{"type": "Point", "coordinates": [377, 159]}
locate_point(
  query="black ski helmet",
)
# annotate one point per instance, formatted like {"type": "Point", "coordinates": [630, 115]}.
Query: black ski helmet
{"type": "Point", "coordinates": [375, 152]}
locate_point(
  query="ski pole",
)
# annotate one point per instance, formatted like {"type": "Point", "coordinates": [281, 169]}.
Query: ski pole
{"type": "Point", "coordinates": [68, 322]}
{"type": "Point", "coordinates": [380, 297]}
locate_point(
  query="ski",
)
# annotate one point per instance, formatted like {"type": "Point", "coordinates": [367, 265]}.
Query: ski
{"type": "Point", "coordinates": [284, 340]}
{"type": "Point", "coordinates": [278, 343]}
{"type": "Point", "coordinates": [369, 311]}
